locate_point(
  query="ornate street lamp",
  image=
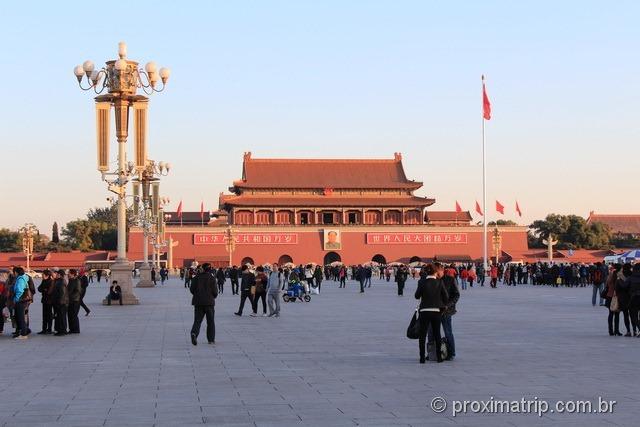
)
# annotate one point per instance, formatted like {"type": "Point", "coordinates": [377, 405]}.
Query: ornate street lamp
{"type": "Point", "coordinates": [28, 231]}
{"type": "Point", "coordinates": [229, 244]}
{"type": "Point", "coordinates": [121, 79]}
{"type": "Point", "coordinates": [147, 211]}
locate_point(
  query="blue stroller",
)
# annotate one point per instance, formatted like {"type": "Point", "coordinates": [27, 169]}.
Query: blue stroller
{"type": "Point", "coordinates": [294, 292]}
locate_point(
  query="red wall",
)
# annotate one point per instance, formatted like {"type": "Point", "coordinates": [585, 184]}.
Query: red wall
{"type": "Point", "coordinates": [309, 247]}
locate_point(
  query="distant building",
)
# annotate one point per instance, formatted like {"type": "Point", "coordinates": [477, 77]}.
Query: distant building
{"type": "Point", "coordinates": [622, 226]}
{"type": "Point", "coordinates": [322, 211]}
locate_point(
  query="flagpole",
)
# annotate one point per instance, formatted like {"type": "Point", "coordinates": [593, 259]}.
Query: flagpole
{"type": "Point", "coordinates": [484, 192]}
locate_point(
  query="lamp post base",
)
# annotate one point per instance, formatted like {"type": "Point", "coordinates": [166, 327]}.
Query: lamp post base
{"type": "Point", "coordinates": [121, 272]}
{"type": "Point", "coordinates": [145, 277]}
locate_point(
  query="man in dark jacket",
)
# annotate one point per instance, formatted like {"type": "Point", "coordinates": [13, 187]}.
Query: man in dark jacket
{"type": "Point", "coordinates": [204, 291]}
{"type": "Point", "coordinates": [233, 275]}
{"type": "Point", "coordinates": [633, 289]}
{"type": "Point", "coordinates": [247, 280]}
{"type": "Point", "coordinates": [401, 278]}
{"type": "Point", "coordinates": [75, 291]}
{"type": "Point", "coordinates": [84, 284]}
{"type": "Point", "coordinates": [46, 289]}
{"type": "Point", "coordinates": [221, 278]}
{"type": "Point", "coordinates": [60, 303]}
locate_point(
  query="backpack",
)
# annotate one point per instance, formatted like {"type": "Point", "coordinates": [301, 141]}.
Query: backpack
{"type": "Point", "coordinates": [597, 277]}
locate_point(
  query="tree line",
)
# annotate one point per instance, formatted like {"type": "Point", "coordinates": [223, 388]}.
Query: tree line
{"type": "Point", "coordinates": [97, 231]}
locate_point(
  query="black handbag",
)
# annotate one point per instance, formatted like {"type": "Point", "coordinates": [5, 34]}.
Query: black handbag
{"type": "Point", "coordinates": [413, 331]}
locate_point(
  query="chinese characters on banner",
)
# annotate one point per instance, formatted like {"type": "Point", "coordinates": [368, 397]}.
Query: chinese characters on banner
{"type": "Point", "coordinates": [415, 238]}
{"type": "Point", "coordinates": [248, 239]}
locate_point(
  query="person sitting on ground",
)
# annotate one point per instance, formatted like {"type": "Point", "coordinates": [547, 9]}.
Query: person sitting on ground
{"type": "Point", "coordinates": [115, 293]}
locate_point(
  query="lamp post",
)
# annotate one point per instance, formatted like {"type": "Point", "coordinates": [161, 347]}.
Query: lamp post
{"type": "Point", "coordinates": [28, 231]}
{"type": "Point", "coordinates": [121, 78]}
{"type": "Point", "coordinates": [230, 244]}
{"type": "Point", "coordinates": [147, 211]}
{"type": "Point", "coordinates": [497, 243]}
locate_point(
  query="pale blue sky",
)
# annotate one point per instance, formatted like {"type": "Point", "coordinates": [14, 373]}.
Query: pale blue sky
{"type": "Point", "coordinates": [333, 79]}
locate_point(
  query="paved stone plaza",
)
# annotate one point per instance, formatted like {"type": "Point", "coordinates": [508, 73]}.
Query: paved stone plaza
{"type": "Point", "coordinates": [341, 360]}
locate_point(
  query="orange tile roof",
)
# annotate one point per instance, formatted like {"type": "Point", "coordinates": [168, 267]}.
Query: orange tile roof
{"type": "Point", "coordinates": [451, 216]}
{"type": "Point", "coordinates": [318, 201]}
{"type": "Point", "coordinates": [324, 173]}
{"type": "Point", "coordinates": [624, 224]}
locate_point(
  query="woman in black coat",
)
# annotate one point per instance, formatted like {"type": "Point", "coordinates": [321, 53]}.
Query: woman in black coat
{"type": "Point", "coordinates": [433, 297]}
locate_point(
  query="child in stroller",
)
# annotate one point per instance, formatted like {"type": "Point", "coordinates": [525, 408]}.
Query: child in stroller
{"type": "Point", "coordinates": [295, 291]}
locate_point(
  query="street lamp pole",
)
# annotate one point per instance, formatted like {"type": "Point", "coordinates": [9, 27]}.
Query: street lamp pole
{"type": "Point", "coordinates": [28, 231]}
{"type": "Point", "coordinates": [121, 79]}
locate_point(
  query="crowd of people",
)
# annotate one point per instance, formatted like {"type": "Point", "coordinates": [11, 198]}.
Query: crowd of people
{"type": "Point", "coordinates": [61, 297]}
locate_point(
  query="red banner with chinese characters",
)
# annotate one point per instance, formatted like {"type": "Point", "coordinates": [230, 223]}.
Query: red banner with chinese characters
{"type": "Point", "coordinates": [247, 239]}
{"type": "Point", "coordinates": [416, 238]}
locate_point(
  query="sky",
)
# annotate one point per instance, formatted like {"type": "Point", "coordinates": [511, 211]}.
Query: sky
{"type": "Point", "coordinates": [333, 79]}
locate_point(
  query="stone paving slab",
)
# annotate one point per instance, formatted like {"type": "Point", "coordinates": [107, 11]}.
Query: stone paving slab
{"type": "Point", "coordinates": [340, 360]}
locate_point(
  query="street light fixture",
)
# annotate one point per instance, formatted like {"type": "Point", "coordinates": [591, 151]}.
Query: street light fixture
{"type": "Point", "coordinates": [121, 79]}
{"type": "Point", "coordinates": [28, 231]}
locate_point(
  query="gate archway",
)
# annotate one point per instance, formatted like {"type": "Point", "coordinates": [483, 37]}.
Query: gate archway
{"type": "Point", "coordinates": [284, 259]}
{"type": "Point", "coordinates": [247, 260]}
{"type": "Point", "coordinates": [331, 257]}
{"type": "Point", "coordinates": [415, 259]}
{"type": "Point", "coordinates": [379, 258]}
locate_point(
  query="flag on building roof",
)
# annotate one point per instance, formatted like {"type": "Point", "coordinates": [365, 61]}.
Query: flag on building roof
{"type": "Point", "coordinates": [499, 207]}
{"type": "Point", "coordinates": [179, 211]}
{"type": "Point", "coordinates": [458, 208]}
{"type": "Point", "coordinates": [478, 209]}
{"type": "Point", "coordinates": [518, 209]}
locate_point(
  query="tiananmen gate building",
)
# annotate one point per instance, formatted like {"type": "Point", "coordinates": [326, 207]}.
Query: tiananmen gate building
{"type": "Point", "coordinates": [325, 210]}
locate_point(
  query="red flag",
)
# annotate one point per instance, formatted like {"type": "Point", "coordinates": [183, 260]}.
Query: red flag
{"type": "Point", "coordinates": [499, 207]}
{"type": "Point", "coordinates": [458, 208]}
{"type": "Point", "coordinates": [486, 105]}
{"type": "Point", "coordinates": [518, 209]}
{"type": "Point", "coordinates": [179, 212]}
{"type": "Point", "coordinates": [478, 208]}
{"type": "Point", "coordinates": [201, 210]}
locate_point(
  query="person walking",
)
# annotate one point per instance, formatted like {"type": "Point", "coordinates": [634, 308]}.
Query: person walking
{"type": "Point", "coordinates": [153, 276]}
{"type": "Point", "coordinates": [60, 303]}
{"type": "Point", "coordinates": [233, 275]}
{"type": "Point", "coordinates": [401, 279]}
{"type": "Point", "coordinates": [633, 288]}
{"type": "Point", "coordinates": [360, 277]}
{"type": "Point", "coordinates": [21, 299]}
{"type": "Point", "coordinates": [45, 289]}
{"type": "Point", "coordinates": [622, 291]}
{"type": "Point", "coordinates": [368, 274]}
{"type": "Point", "coordinates": [247, 281]}
{"type": "Point", "coordinates": [84, 284]}
{"type": "Point", "coordinates": [274, 285]}
{"type": "Point", "coordinates": [317, 275]}
{"type": "Point", "coordinates": [204, 290]}
{"type": "Point", "coordinates": [613, 320]}
{"type": "Point", "coordinates": [448, 312]}
{"type": "Point", "coordinates": [598, 282]}
{"type": "Point", "coordinates": [221, 277]}
{"type": "Point", "coordinates": [342, 274]}
{"type": "Point", "coordinates": [75, 290]}
{"type": "Point", "coordinates": [433, 297]}
{"type": "Point", "coordinates": [261, 292]}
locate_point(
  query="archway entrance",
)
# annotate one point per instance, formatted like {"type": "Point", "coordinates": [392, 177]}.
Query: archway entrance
{"type": "Point", "coordinates": [380, 259]}
{"type": "Point", "coordinates": [284, 259]}
{"type": "Point", "coordinates": [247, 260]}
{"type": "Point", "coordinates": [331, 257]}
{"type": "Point", "coordinates": [415, 259]}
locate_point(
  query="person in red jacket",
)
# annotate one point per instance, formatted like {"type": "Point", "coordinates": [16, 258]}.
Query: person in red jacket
{"type": "Point", "coordinates": [494, 276]}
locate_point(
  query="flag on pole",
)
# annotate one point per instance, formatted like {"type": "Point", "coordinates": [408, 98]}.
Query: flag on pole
{"type": "Point", "coordinates": [179, 211]}
{"type": "Point", "coordinates": [458, 208]}
{"type": "Point", "coordinates": [518, 209]}
{"type": "Point", "coordinates": [478, 209]}
{"type": "Point", "coordinates": [499, 207]}
{"type": "Point", "coordinates": [486, 105]}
